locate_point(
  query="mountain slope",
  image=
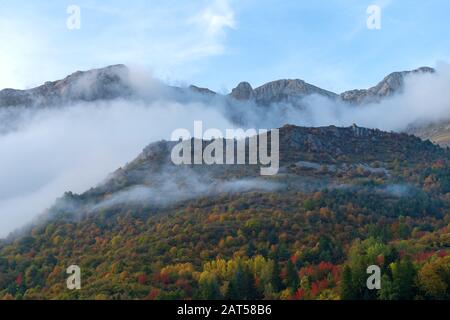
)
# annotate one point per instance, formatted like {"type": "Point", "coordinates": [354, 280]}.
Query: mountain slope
{"type": "Point", "coordinates": [310, 159]}
{"type": "Point", "coordinates": [140, 235]}
{"type": "Point", "coordinates": [438, 132]}
{"type": "Point", "coordinates": [390, 85]}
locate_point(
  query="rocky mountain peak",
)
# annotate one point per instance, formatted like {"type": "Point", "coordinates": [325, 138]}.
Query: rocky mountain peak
{"type": "Point", "coordinates": [288, 87]}
{"type": "Point", "coordinates": [243, 91]}
{"type": "Point", "coordinates": [201, 90]}
{"type": "Point", "coordinates": [283, 90]}
{"type": "Point", "coordinates": [96, 84]}
{"type": "Point", "coordinates": [391, 84]}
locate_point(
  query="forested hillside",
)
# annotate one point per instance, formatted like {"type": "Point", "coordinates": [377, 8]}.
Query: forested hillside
{"type": "Point", "coordinates": [345, 198]}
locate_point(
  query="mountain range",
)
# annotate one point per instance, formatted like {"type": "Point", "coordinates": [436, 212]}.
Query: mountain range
{"type": "Point", "coordinates": [115, 82]}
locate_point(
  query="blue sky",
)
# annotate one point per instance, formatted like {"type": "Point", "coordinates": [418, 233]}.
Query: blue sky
{"type": "Point", "coordinates": [218, 43]}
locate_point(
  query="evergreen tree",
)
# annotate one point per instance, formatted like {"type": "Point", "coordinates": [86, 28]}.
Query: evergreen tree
{"type": "Point", "coordinates": [387, 291]}
{"type": "Point", "coordinates": [250, 251]}
{"type": "Point", "coordinates": [292, 280]}
{"type": "Point", "coordinates": [347, 290]}
{"type": "Point", "coordinates": [209, 287]}
{"type": "Point", "coordinates": [242, 285]}
{"type": "Point", "coordinates": [275, 277]}
{"type": "Point", "coordinates": [404, 275]}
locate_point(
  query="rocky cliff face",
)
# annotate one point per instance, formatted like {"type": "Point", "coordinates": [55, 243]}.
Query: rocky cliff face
{"type": "Point", "coordinates": [242, 92]}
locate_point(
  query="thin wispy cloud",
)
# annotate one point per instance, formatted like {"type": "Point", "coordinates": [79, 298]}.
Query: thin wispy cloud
{"type": "Point", "coordinates": [175, 39]}
{"type": "Point", "coordinates": [193, 41]}
{"type": "Point", "coordinates": [216, 17]}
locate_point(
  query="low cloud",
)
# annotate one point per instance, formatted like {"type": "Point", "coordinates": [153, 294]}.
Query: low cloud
{"type": "Point", "coordinates": [171, 189]}
{"type": "Point", "coordinates": [425, 99]}
{"type": "Point", "coordinates": [51, 151]}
